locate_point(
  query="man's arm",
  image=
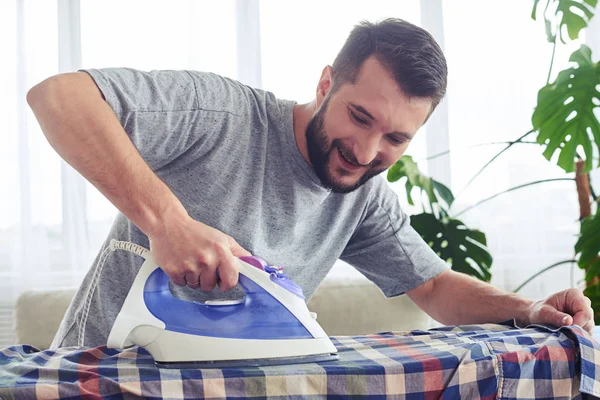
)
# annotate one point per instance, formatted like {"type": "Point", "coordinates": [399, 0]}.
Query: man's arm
{"type": "Point", "coordinates": [86, 133]}
{"type": "Point", "coordinates": [453, 298]}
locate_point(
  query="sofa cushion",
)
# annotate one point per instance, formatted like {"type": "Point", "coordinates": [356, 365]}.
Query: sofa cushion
{"type": "Point", "coordinates": [38, 315]}
{"type": "Point", "coordinates": [347, 303]}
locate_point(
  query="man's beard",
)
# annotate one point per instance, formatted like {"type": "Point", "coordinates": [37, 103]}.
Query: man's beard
{"type": "Point", "coordinates": [320, 151]}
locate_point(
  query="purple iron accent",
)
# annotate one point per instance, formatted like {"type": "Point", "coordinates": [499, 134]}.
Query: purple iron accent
{"type": "Point", "coordinates": [260, 316]}
{"type": "Point", "coordinates": [254, 261]}
{"type": "Point", "coordinates": [273, 270]}
{"type": "Point", "coordinates": [277, 275]}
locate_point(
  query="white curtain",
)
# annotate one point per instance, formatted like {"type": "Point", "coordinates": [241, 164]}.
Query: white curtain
{"type": "Point", "coordinates": [497, 65]}
{"type": "Point", "coordinates": [52, 222]}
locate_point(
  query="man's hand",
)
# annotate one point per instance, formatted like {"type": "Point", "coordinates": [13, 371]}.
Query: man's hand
{"type": "Point", "coordinates": [453, 298]}
{"type": "Point", "coordinates": [564, 308]}
{"type": "Point", "coordinates": [191, 252]}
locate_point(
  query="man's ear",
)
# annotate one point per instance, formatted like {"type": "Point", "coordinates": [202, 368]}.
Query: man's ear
{"type": "Point", "coordinates": [325, 84]}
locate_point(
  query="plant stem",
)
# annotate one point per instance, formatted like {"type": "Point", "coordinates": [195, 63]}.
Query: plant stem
{"type": "Point", "coordinates": [541, 272]}
{"type": "Point", "coordinates": [594, 196]}
{"type": "Point", "coordinates": [492, 160]}
{"type": "Point", "coordinates": [510, 190]}
{"type": "Point", "coordinates": [582, 184]}
{"type": "Point", "coordinates": [443, 153]}
{"type": "Point", "coordinates": [553, 53]}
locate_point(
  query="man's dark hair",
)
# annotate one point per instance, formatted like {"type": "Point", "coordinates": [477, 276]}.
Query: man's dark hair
{"type": "Point", "coordinates": [408, 52]}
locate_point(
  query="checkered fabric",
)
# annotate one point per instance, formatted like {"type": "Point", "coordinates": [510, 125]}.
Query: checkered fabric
{"type": "Point", "coordinates": [466, 362]}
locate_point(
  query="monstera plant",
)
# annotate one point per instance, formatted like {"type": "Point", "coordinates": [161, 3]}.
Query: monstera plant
{"type": "Point", "coordinates": [566, 121]}
{"type": "Point", "coordinates": [464, 249]}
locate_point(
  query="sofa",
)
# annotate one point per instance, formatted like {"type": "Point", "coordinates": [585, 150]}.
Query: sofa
{"type": "Point", "coordinates": [346, 303]}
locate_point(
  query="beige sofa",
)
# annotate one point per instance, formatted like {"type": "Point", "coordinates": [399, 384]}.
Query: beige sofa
{"type": "Point", "coordinates": [346, 304]}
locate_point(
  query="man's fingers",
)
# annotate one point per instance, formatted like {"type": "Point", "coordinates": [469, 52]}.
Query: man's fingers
{"type": "Point", "coordinates": [589, 327]}
{"type": "Point", "coordinates": [580, 303]}
{"type": "Point", "coordinates": [177, 277]}
{"type": "Point", "coordinates": [580, 308]}
{"type": "Point", "coordinates": [208, 280]}
{"type": "Point", "coordinates": [192, 280]}
{"type": "Point", "coordinates": [236, 249]}
{"type": "Point", "coordinates": [178, 280]}
{"type": "Point", "coordinates": [584, 318]}
{"type": "Point", "coordinates": [581, 318]}
{"type": "Point", "coordinates": [228, 273]}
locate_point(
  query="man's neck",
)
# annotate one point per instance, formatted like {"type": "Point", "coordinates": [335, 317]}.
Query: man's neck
{"type": "Point", "coordinates": [302, 115]}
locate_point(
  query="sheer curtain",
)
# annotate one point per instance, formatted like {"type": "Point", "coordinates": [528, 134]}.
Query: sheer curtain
{"type": "Point", "coordinates": [497, 65]}
{"type": "Point", "coordinates": [52, 222]}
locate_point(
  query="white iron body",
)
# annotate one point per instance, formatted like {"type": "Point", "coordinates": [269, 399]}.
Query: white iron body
{"type": "Point", "coordinates": [136, 325]}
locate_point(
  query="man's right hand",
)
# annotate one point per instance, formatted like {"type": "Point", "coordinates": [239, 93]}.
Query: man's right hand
{"type": "Point", "coordinates": [191, 253]}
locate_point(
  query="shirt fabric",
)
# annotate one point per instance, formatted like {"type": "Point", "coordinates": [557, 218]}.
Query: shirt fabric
{"type": "Point", "coordinates": [229, 153]}
{"type": "Point", "coordinates": [464, 362]}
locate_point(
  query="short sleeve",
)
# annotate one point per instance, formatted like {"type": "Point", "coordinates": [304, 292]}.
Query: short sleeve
{"type": "Point", "coordinates": [387, 250]}
{"type": "Point", "coordinates": [166, 113]}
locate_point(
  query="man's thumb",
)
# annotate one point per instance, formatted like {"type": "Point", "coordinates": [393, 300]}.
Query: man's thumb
{"type": "Point", "coordinates": [563, 319]}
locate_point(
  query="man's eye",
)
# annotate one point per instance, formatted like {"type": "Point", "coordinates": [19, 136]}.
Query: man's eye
{"type": "Point", "coordinates": [395, 140]}
{"type": "Point", "coordinates": [358, 119]}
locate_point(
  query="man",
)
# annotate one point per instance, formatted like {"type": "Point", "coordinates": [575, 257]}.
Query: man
{"type": "Point", "coordinates": [205, 169]}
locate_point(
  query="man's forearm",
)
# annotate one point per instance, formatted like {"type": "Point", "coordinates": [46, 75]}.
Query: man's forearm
{"type": "Point", "coordinates": [82, 128]}
{"type": "Point", "coordinates": [453, 298]}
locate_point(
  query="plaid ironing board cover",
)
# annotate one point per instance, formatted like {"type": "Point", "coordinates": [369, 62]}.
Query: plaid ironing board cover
{"type": "Point", "coordinates": [466, 362]}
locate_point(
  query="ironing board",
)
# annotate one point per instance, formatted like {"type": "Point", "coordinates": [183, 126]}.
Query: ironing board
{"type": "Point", "coordinates": [468, 362]}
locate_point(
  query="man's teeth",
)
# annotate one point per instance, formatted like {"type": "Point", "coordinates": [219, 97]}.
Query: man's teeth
{"type": "Point", "coordinates": [346, 158]}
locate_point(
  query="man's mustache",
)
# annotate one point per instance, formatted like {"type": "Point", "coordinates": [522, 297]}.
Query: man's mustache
{"type": "Point", "coordinates": [350, 157]}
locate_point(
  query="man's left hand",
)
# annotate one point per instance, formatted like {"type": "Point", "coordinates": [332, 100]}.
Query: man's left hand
{"type": "Point", "coordinates": [569, 307]}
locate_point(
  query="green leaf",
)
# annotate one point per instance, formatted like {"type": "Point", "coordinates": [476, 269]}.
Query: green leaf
{"type": "Point", "coordinates": [588, 245]}
{"type": "Point", "coordinates": [572, 19]}
{"type": "Point", "coordinates": [574, 15]}
{"type": "Point", "coordinates": [593, 271]}
{"type": "Point", "coordinates": [533, 12]}
{"type": "Point", "coordinates": [566, 108]}
{"type": "Point", "coordinates": [406, 167]}
{"type": "Point", "coordinates": [444, 192]}
{"type": "Point", "coordinates": [549, 34]}
{"type": "Point", "coordinates": [465, 249]}
{"type": "Point", "coordinates": [396, 172]}
{"type": "Point", "coordinates": [593, 292]}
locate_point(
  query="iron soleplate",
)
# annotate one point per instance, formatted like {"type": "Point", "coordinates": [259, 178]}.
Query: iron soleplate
{"type": "Point", "coordinates": [258, 362]}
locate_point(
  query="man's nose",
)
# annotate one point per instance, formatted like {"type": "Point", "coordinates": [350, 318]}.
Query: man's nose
{"type": "Point", "coordinates": [366, 149]}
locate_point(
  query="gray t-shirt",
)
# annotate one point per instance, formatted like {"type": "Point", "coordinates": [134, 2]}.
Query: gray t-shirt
{"type": "Point", "coordinates": [229, 154]}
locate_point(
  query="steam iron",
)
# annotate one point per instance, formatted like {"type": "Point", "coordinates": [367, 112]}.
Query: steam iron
{"type": "Point", "coordinates": [271, 325]}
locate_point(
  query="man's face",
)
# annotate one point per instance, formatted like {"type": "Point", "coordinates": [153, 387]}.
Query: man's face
{"type": "Point", "coordinates": [362, 129]}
